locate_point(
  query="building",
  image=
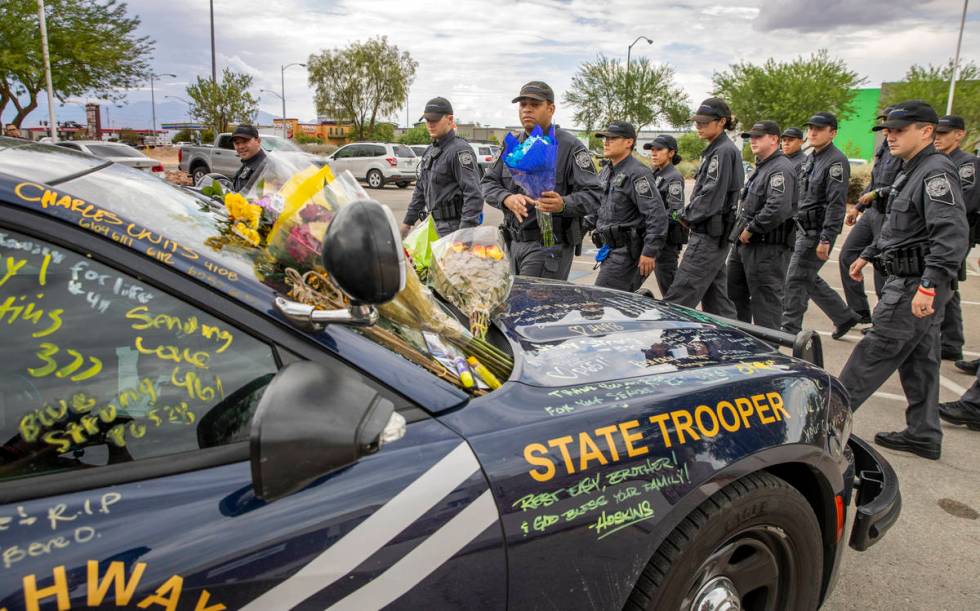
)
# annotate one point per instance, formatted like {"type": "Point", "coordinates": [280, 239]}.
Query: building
{"type": "Point", "coordinates": [329, 131]}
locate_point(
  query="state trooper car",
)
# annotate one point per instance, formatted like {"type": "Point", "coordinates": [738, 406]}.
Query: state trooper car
{"type": "Point", "coordinates": [178, 436]}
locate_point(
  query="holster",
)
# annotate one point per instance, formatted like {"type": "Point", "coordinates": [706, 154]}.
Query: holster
{"type": "Point", "coordinates": [448, 211]}
{"type": "Point", "coordinates": [677, 234]}
{"type": "Point", "coordinates": [908, 262]}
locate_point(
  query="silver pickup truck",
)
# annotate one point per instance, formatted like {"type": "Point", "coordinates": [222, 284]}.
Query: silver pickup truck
{"type": "Point", "coordinates": [221, 158]}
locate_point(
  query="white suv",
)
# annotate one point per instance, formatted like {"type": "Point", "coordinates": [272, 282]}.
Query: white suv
{"type": "Point", "coordinates": [377, 163]}
{"type": "Point", "coordinates": [485, 154]}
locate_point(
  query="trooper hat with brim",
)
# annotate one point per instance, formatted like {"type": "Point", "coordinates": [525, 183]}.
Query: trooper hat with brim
{"type": "Point", "coordinates": [907, 113]}
{"type": "Point", "coordinates": [793, 132]}
{"type": "Point", "coordinates": [245, 131]}
{"type": "Point", "coordinates": [618, 129]}
{"type": "Point", "coordinates": [435, 109]}
{"type": "Point", "coordinates": [822, 119]}
{"type": "Point", "coordinates": [535, 90]}
{"type": "Point", "coordinates": [711, 109]}
{"type": "Point", "coordinates": [763, 128]}
{"type": "Point", "coordinates": [949, 123]}
{"type": "Point", "coordinates": [663, 141]}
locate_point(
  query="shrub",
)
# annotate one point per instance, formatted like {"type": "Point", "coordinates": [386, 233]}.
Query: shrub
{"type": "Point", "coordinates": [304, 139]}
{"type": "Point", "coordinates": [687, 168]}
{"type": "Point", "coordinates": [860, 177]}
{"type": "Point", "coordinates": [319, 149]}
{"type": "Point", "coordinates": [184, 135]}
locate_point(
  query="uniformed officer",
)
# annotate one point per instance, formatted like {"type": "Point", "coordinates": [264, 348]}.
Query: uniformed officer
{"type": "Point", "coordinates": [448, 185]}
{"type": "Point", "coordinates": [710, 215]}
{"type": "Point", "coordinates": [670, 184]}
{"type": "Point", "coordinates": [248, 145]}
{"type": "Point", "coordinates": [824, 179]}
{"type": "Point", "coordinates": [792, 145]}
{"type": "Point", "coordinates": [866, 218]}
{"type": "Point", "coordinates": [765, 231]}
{"type": "Point", "coordinates": [921, 246]}
{"type": "Point", "coordinates": [949, 134]}
{"type": "Point", "coordinates": [576, 195]}
{"type": "Point", "coordinates": [631, 221]}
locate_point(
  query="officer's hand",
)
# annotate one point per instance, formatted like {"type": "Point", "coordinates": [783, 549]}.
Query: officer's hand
{"type": "Point", "coordinates": [646, 265]}
{"type": "Point", "coordinates": [922, 305]}
{"type": "Point", "coordinates": [852, 216]}
{"type": "Point", "coordinates": [405, 230]}
{"type": "Point", "coordinates": [551, 202]}
{"type": "Point", "coordinates": [745, 236]}
{"type": "Point", "coordinates": [518, 203]}
{"type": "Point", "coordinates": [855, 272]}
{"type": "Point", "coordinates": [867, 198]}
{"type": "Point", "coordinates": [823, 251]}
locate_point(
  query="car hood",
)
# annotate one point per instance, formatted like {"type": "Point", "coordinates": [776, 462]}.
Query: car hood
{"type": "Point", "coordinates": [565, 334]}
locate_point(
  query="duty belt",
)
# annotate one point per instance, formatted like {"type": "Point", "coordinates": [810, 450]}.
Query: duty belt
{"type": "Point", "coordinates": [615, 236]}
{"type": "Point", "coordinates": [907, 262]}
{"type": "Point", "coordinates": [450, 211]}
{"type": "Point", "coordinates": [784, 235]}
{"type": "Point", "coordinates": [811, 219]}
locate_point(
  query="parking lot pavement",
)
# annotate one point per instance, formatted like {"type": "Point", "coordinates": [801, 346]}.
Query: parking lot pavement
{"type": "Point", "coordinates": [930, 559]}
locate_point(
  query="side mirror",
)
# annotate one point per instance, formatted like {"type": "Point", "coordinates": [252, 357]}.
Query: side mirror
{"type": "Point", "coordinates": [311, 421]}
{"type": "Point", "coordinates": [363, 253]}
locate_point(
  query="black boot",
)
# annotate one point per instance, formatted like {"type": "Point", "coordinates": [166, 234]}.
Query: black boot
{"type": "Point", "coordinates": [957, 412]}
{"type": "Point", "coordinates": [903, 442]}
{"type": "Point", "coordinates": [969, 367]}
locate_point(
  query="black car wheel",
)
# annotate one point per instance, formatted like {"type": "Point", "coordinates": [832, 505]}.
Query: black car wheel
{"type": "Point", "coordinates": [375, 179]}
{"type": "Point", "coordinates": [754, 545]}
{"type": "Point", "coordinates": [198, 173]}
{"type": "Point", "coordinates": [402, 185]}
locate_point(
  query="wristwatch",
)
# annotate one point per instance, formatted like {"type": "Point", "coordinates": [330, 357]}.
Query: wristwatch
{"type": "Point", "coordinates": [927, 284]}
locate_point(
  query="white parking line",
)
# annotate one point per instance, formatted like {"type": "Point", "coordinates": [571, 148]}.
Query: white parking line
{"type": "Point", "coordinates": [951, 385]}
{"type": "Point", "coordinates": [890, 396]}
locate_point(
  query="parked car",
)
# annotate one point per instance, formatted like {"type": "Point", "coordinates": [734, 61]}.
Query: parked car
{"type": "Point", "coordinates": [377, 163]}
{"type": "Point", "coordinates": [485, 154]}
{"type": "Point", "coordinates": [419, 149]}
{"type": "Point", "coordinates": [116, 152]}
{"type": "Point", "coordinates": [177, 427]}
{"type": "Point", "coordinates": [199, 160]}
{"type": "Point", "coordinates": [855, 163]}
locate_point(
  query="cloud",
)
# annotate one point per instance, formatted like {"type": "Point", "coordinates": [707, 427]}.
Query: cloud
{"type": "Point", "coordinates": [822, 15]}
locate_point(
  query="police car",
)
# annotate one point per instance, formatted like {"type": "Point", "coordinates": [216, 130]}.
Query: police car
{"type": "Point", "coordinates": [177, 435]}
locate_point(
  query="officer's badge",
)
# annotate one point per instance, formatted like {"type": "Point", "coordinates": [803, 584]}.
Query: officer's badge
{"type": "Point", "coordinates": [618, 181]}
{"type": "Point", "coordinates": [939, 190]}
{"type": "Point", "coordinates": [465, 159]}
{"type": "Point", "coordinates": [713, 167]}
{"type": "Point", "coordinates": [837, 171]}
{"type": "Point", "coordinates": [968, 174]}
{"type": "Point", "coordinates": [777, 183]}
{"type": "Point", "coordinates": [676, 189]}
{"type": "Point", "coordinates": [642, 186]}
{"type": "Point", "coordinates": [583, 159]}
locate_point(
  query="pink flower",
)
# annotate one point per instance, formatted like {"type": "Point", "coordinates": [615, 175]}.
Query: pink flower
{"type": "Point", "coordinates": [301, 245]}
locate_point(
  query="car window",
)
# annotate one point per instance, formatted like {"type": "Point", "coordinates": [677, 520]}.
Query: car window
{"type": "Point", "coordinates": [403, 151]}
{"type": "Point", "coordinates": [35, 161]}
{"type": "Point", "coordinates": [69, 145]}
{"type": "Point", "coordinates": [342, 153]}
{"type": "Point", "coordinates": [224, 142]}
{"type": "Point", "coordinates": [274, 143]}
{"type": "Point", "coordinates": [99, 368]}
{"type": "Point", "coordinates": [484, 150]}
{"type": "Point", "coordinates": [373, 150]}
{"type": "Point", "coordinates": [113, 150]}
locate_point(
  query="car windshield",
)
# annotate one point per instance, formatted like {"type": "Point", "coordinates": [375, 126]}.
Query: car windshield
{"type": "Point", "coordinates": [34, 161]}
{"type": "Point", "coordinates": [403, 151]}
{"type": "Point", "coordinates": [275, 143]}
{"type": "Point", "coordinates": [113, 150]}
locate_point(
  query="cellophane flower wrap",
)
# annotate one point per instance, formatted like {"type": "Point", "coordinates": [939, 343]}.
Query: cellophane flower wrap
{"type": "Point", "coordinates": [532, 165]}
{"type": "Point", "coordinates": [418, 243]}
{"type": "Point", "coordinates": [472, 271]}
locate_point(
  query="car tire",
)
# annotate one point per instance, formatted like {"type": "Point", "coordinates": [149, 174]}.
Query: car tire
{"type": "Point", "coordinates": [198, 173]}
{"type": "Point", "coordinates": [402, 185]}
{"type": "Point", "coordinates": [375, 179]}
{"type": "Point", "coordinates": [756, 541]}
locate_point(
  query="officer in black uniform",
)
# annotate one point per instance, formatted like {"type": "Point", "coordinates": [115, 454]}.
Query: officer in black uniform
{"type": "Point", "coordinates": [866, 218]}
{"type": "Point", "coordinates": [792, 145]}
{"type": "Point", "coordinates": [824, 179]}
{"type": "Point", "coordinates": [949, 134]}
{"type": "Point", "coordinates": [670, 184]}
{"type": "Point", "coordinates": [248, 145]}
{"type": "Point", "coordinates": [921, 246]}
{"type": "Point", "coordinates": [631, 221]}
{"type": "Point", "coordinates": [448, 186]}
{"type": "Point", "coordinates": [576, 195]}
{"type": "Point", "coordinates": [765, 231]}
{"type": "Point", "coordinates": [710, 215]}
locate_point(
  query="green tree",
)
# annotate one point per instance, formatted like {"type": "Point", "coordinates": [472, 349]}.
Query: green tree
{"type": "Point", "coordinates": [416, 135]}
{"type": "Point", "coordinates": [93, 50]}
{"type": "Point", "coordinates": [361, 83]}
{"type": "Point", "coordinates": [600, 92]}
{"type": "Point", "coordinates": [787, 92]}
{"type": "Point", "coordinates": [690, 147]}
{"type": "Point", "coordinates": [931, 83]}
{"type": "Point", "coordinates": [382, 132]}
{"type": "Point", "coordinates": [218, 105]}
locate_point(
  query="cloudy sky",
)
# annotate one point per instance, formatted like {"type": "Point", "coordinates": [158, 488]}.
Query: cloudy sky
{"type": "Point", "coordinates": [478, 53]}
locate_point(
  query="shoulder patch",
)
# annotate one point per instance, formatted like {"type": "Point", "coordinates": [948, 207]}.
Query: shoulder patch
{"type": "Point", "coordinates": [642, 186]}
{"type": "Point", "coordinates": [466, 159]}
{"type": "Point", "coordinates": [676, 189]}
{"type": "Point", "coordinates": [939, 190]}
{"type": "Point", "coordinates": [837, 171]}
{"type": "Point", "coordinates": [713, 166]}
{"type": "Point", "coordinates": [777, 182]}
{"type": "Point", "coordinates": [968, 174]}
{"type": "Point", "coordinates": [583, 159]}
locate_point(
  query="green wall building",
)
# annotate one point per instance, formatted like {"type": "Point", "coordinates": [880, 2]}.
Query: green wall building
{"type": "Point", "coordinates": [854, 135]}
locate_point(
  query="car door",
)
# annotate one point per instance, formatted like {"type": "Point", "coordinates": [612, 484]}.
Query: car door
{"type": "Point", "coordinates": [224, 159]}
{"type": "Point", "coordinates": [125, 408]}
{"type": "Point", "coordinates": [341, 159]}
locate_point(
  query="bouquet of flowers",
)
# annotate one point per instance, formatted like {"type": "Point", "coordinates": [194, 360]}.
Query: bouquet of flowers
{"type": "Point", "coordinates": [418, 243]}
{"type": "Point", "coordinates": [532, 164]}
{"type": "Point", "coordinates": [471, 270]}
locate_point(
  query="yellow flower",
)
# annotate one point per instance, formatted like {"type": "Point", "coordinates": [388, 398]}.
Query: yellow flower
{"type": "Point", "coordinates": [240, 210]}
{"type": "Point", "coordinates": [247, 233]}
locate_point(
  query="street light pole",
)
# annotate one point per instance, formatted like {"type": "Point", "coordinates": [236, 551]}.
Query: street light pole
{"type": "Point", "coordinates": [185, 101]}
{"type": "Point", "coordinates": [956, 61]}
{"type": "Point", "coordinates": [214, 65]}
{"type": "Point", "coordinates": [282, 77]}
{"type": "Point", "coordinates": [278, 96]}
{"type": "Point", "coordinates": [47, 69]}
{"type": "Point", "coordinates": [629, 49]}
{"type": "Point", "coordinates": [153, 99]}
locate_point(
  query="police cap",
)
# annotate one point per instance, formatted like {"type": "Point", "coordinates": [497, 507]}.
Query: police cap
{"type": "Point", "coordinates": [712, 109]}
{"type": "Point", "coordinates": [663, 141]}
{"type": "Point", "coordinates": [823, 119]}
{"type": "Point", "coordinates": [793, 132]}
{"type": "Point", "coordinates": [535, 90]}
{"type": "Point", "coordinates": [906, 113]}
{"type": "Point", "coordinates": [245, 131]}
{"type": "Point", "coordinates": [435, 109]}
{"type": "Point", "coordinates": [949, 123]}
{"type": "Point", "coordinates": [618, 129]}
{"type": "Point", "coordinates": [763, 128]}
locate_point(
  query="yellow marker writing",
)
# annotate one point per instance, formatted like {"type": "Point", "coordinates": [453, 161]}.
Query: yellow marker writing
{"type": "Point", "coordinates": [484, 373]}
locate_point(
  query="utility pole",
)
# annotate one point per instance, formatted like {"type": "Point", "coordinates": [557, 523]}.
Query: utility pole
{"type": "Point", "coordinates": [214, 65]}
{"type": "Point", "coordinates": [956, 61]}
{"type": "Point", "coordinates": [629, 90]}
{"type": "Point", "coordinates": [282, 76]}
{"type": "Point", "coordinates": [47, 70]}
{"type": "Point", "coordinates": [153, 99]}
